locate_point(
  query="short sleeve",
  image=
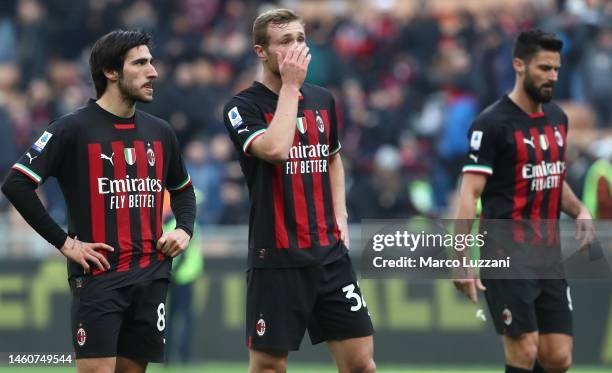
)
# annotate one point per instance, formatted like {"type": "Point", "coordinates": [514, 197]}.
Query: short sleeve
{"type": "Point", "coordinates": [244, 123]}
{"type": "Point", "coordinates": [178, 178]}
{"type": "Point", "coordinates": [483, 141]}
{"type": "Point", "coordinates": [334, 141]}
{"type": "Point", "coordinates": [44, 158]}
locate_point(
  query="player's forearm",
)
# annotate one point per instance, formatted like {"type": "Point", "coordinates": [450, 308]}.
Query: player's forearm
{"type": "Point", "coordinates": [21, 192]}
{"type": "Point", "coordinates": [570, 204]}
{"type": "Point", "coordinates": [278, 138]}
{"type": "Point", "coordinates": [183, 206]}
{"type": "Point", "coordinates": [336, 175]}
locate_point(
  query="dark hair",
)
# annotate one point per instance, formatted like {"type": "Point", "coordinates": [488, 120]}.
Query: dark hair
{"type": "Point", "coordinates": [530, 42]}
{"type": "Point", "coordinates": [271, 17]}
{"type": "Point", "coordinates": [109, 53]}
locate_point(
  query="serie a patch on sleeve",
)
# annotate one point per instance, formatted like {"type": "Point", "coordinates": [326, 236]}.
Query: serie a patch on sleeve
{"type": "Point", "coordinates": [40, 144]}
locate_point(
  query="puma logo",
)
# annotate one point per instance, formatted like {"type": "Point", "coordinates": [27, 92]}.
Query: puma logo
{"type": "Point", "coordinates": [30, 156]}
{"type": "Point", "coordinates": [110, 159]}
{"type": "Point", "coordinates": [243, 130]}
{"type": "Point", "coordinates": [529, 142]}
{"type": "Point", "coordinates": [475, 158]}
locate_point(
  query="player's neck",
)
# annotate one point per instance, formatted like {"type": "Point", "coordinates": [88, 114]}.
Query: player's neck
{"type": "Point", "coordinates": [112, 102]}
{"type": "Point", "coordinates": [272, 81]}
{"type": "Point", "coordinates": [522, 100]}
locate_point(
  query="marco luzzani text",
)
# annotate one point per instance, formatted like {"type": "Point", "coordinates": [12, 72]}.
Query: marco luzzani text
{"type": "Point", "coordinates": [415, 241]}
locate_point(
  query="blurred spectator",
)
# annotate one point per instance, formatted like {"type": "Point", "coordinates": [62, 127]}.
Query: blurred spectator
{"type": "Point", "coordinates": [408, 78]}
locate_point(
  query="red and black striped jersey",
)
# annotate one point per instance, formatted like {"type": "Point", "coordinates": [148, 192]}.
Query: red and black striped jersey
{"type": "Point", "coordinates": [524, 158]}
{"type": "Point", "coordinates": [292, 221]}
{"type": "Point", "coordinates": [112, 172]}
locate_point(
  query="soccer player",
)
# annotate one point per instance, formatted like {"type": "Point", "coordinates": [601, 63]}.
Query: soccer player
{"type": "Point", "coordinates": [516, 164]}
{"type": "Point", "coordinates": [300, 275]}
{"type": "Point", "coordinates": [113, 163]}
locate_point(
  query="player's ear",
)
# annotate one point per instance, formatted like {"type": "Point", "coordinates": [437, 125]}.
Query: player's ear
{"type": "Point", "coordinates": [261, 52]}
{"type": "Point", "coordinates": [519, 65]}
{"type": "Point", "coordinates": [112, 75]}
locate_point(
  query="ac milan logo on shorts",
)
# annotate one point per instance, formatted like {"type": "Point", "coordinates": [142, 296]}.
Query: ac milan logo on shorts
{"type": "Point", "coordinates": [81, 336]}
{"type": "Point", "coordinates": [261, 327]}
{"type": "Point", "coordinates": [151, 157]}
{"type": "Point", "coordinates": [507, 316]}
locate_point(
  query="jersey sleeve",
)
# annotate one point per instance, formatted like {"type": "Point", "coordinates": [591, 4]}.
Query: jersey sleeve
{"type": "Point", "coordinates": [334, 141]}
{"type": "Point", "coordinates": [483, 138]}
{"type": "Point", "coordinates": [178, 178]}
{"type": "Point", "coordinates": [244, 123]}
{"type": "Point", "coordinates": [44, 158]}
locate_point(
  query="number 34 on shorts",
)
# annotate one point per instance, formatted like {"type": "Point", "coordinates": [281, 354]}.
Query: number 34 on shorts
{"type": "Point", "coordinates": [349, 293]}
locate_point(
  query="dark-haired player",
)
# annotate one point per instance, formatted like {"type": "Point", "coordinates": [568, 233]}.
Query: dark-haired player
{"type": "Point", "coordinates": [113, 163]}
{"type": "Point", "coordinates": [300, 275]}
{"type": "Point", "coordinates": [516, 164]}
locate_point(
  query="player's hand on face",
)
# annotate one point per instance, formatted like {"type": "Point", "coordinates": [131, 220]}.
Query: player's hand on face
{"type": "Point", "coordinates": [294, 66]}
{"type": "Point", "coordinates": [173, 243]}
{"type": "Point", "coordinates": [585, 232]}
{"type": "Point", "coordinates": [344, 231]}
{"type": "Point", "coordinates": [84, 252]}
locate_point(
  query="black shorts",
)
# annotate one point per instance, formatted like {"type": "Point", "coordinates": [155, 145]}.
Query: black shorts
{"type": "Point", "coordinates": [129, 321]}
{"type": "Point", "coordinates": [283, 302]}
{"type": "Point", "coordinates": [524, 306]}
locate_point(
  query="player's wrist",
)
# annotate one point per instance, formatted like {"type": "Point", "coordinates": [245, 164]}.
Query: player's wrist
{"type": "Point", "coordinates": [292, 88]}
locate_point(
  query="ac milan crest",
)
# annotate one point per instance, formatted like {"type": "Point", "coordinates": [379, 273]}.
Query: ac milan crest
{"type": "Point", "coordinates": [151, 157]}
{"type": "Point", "coordinates": [320, 124]}
{"type": "Point", "coordinates": [544, 142]}
{"type": "Point", "coordinates": [81, 336]}
{"type": "Point", "coordinates": [558, 137]}
{"type": "Point", "coordinates": [261, 327]}
{"type": "Point", "coordinates": [507, 316]}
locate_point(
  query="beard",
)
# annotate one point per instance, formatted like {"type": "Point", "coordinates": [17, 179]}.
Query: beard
{"type": "Point", "coordinates": [538, 94]}
{"type": "Point", "coordinates": [131, 93]}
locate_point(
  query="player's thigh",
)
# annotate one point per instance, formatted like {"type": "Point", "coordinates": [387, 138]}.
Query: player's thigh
{"type": "Point", "coordinates": [279, 304]}
{"type": "Point", "coordinates": [354, 354]}
{"type": "Point", "coordinates": [340, 311]}
{"type": "Point", "coordinates": [96, 365]}
{"type": "Point", "coordinates": [267, 361]}
{"type": "Point", "coordinates": [142, 335]}
{"type": "Point", "coordinates": [96, 318]}
{"type": "Point", "coordinates": [512, 305]}
{"type": "Point", "coordinates": [554, 307]}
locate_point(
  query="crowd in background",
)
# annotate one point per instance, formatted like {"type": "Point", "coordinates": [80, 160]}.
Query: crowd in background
{"type": "Point", "coordinates": [408, 77]}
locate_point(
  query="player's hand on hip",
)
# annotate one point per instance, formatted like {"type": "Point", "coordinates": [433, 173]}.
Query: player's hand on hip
{"type": "Point", "coordinates": [469, 286]}
{"type": "Point", "coordinates": [294, 66]}
{"type": "Point", "coordinates": [84, 252]}
{"type": "Point", "coordinates": [173, 243]}
{"type": "Point", "coordinates": [344, 231]}
{"type": "Point", "coordinates": [585, 232]}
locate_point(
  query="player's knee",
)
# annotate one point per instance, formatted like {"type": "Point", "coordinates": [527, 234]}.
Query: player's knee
{"type": "Point", "coordinates": [269, 364]}
{"type": "Point", "coordinates": [556, 363]}
{"type": "Point", "coordinates": [363, 365]}
{"type": "Point", "coordinates": [523, 350]}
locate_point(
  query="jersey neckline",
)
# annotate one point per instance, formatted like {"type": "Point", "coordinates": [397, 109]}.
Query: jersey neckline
{"type": "Point", "coordinates": [114, 118]}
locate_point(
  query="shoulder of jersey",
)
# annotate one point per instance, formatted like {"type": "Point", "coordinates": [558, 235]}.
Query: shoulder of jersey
{"type": "Point", "coordinates": [71, 119]}
{"type": "Point", "coordinates": [494, 113]}
{"type": "Point", "coordinates": [555, 109]}
{"type": "Point", "coordinates": [308, 88]}
{"type": "Point", "coordinates": [153, 119]}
